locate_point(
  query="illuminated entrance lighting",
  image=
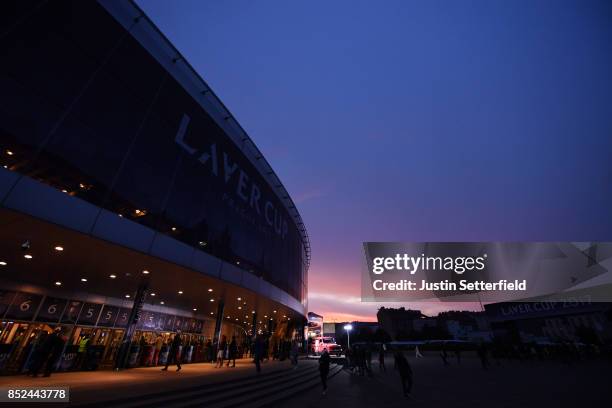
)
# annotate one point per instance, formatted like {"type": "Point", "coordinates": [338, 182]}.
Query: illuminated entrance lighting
{"type": "Point", "coordinates": [239, 307]}
{"type": "Point", "coordinates": [252, 311]}
{"type": "Point", "coordinates": [58, 283]}
{"type": "Point", "coordinates": [112, 276]}
{"type": "Point", "coordinates": [27, 256]}
{"type": "Point", "coordinates": [210, 290]}
{"type": "Point", "coordinates": [173, 228]}
{"type": "Point", "coordinates": [83, 279]}
{"type": "Point", "coordinates": [274, 311]}
{"type": "Point", "coordinates": [162, 303]}
{"type": "Point", "coordinates": [212, 313]}
{"type": "Point", "coordinates": [10, 153]}
{"type": "Point", "coordinates": [237, 262]}
{"type": "Point", "coordinates": [59, 248]}
{"type": "Point", "coordinates": [212, 300]}
{"type": "Point", "coordinates": [195, 310]}
{"type": "Point", "coordinates": [239, 299]}
{"type": "Point", "coordinates": [153, 294]}
{"type": "Point", "coordinates": [265, 315]}
{"type": "Point", "coordinates": [3, 263]}
{"type": "Point", "coordinates": [145, 272]}
{"type": "Point", "coordinates": [127, 296]}
{"type": "Point", "coordinates": [202, 243]}
{"type": "Point", "coordinates": [180, 292]}
{"type": "Point", "coordinates": [236, 319]}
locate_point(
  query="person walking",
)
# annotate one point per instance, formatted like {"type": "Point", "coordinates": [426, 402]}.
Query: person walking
{"type": "Point", "coordinates": [324, 361]}
{"type": "Point", "coordinates": [405, 372]}
{"type": "Point", "coordinates": [258, 351]}
{"type": "Point", "coordinates": [294, 354]}
{"type": "Point", "coordinates": [232, 351]}
{"type": "Point", "coordinates": [175, 352]}
{"type": "Point", "coordinates": [444, 355]}
{"type": "Point", "coordinates": [350, 360]}
{"type": "Point", "coordinates": [221, 352]}
{"type": "Point", "coordinates": [50, 351]}
{"type": "Point", "coordinates": [381, 358]}
{"type": "Point", "coordinates": [361, 360]}
{"type": "Point", "coordinates": [368, 359]}
{"type": "Point", "coordinates": [483, 355]}
{"type": "Point", "coordinates": [458, 354]}
{"type": "Point", "coordinates": [159, 342]}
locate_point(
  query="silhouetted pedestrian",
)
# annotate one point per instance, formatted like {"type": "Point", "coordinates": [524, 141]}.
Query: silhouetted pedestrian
{"type": "Point", "coordinates": [324, 361]}
{"type": "Point", "coordinates": [483, 355]}
{"type": "Point", "coordinates": [381, 358]}
{"type": "Point", "coordinates": [405, 372]}
{"type": "Point", "coordinates": [294, 354]}
{"type": "Point", "coordinates": [50, 351]}
{"type": "Point", "coordinates": [258, 351]}
{"type": "Point", "coordinates": [221, 352]}
{"type": "Point", "coordinates": [232, 350]}
{"type": "Point", "coordinates": [175, 352]}
{"type": "Point", "coordinates": [444, 355]}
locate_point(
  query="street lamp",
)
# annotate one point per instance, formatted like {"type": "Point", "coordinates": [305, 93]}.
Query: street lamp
{"type": "Point", "coordinates": [348, 328]}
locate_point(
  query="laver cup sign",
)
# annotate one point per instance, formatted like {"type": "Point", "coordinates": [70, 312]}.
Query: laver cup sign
{"type": "Point", "coordinates": [487, 271]}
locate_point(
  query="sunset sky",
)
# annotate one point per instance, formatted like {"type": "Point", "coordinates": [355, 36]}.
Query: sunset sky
{"type": "Point", "coordinates": [415, 120]}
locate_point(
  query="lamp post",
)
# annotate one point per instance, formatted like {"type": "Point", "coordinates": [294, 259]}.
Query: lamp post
{"type": "Point", "coordinates": [348, 328]}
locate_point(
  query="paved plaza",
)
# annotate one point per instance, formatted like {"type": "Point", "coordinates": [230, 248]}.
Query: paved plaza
{"type": "Point", "coordinates": [90, 386]}
{"type": "Point", "coordinates": [511, 384]}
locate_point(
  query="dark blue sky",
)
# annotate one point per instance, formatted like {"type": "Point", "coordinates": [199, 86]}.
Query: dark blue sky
{"type": "Point", "coordinates": [416, 121]}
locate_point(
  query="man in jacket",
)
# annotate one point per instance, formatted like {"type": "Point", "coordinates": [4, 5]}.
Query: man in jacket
{"type": "Point", "coordinates": [175, 352]}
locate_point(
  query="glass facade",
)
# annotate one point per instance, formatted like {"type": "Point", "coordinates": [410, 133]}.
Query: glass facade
{"type": "Point", "coordinates": [86, 109]}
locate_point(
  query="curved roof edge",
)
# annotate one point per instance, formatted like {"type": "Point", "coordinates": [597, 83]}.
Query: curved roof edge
{"type": "Point", "coordinates": [131, 17]}
{"type": "Point", "coordinates": [28, 196]}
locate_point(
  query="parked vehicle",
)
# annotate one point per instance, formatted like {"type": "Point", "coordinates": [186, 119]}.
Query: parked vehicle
{"type": "Point", "coordinates": [329, 343]}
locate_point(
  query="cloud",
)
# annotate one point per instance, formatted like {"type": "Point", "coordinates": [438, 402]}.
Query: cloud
{"type": "Point", "coordinates": [308, 194]}
{"type": "Point", "coordinates": [335, 307]}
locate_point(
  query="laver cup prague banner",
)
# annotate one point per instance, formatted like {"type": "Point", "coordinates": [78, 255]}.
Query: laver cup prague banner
{"type": "Point", "coordinates": [487, 271]}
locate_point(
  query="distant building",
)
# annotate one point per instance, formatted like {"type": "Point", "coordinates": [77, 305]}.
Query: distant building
{"type": "Point", "coordinates": [337, 330]}
{"type": "Point", "coordinates": [546, 321]}
{"type": "Point", "coordinates": [402, 324]}
{"type": "Point", "coordinates": [329, 329]}
{"type": "Point", "coordinates": [466, 325]}
{"type": "Point", "coordinates": [398, 322]}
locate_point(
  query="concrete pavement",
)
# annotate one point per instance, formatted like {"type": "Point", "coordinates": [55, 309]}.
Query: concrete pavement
{"type": "Point", "coordinates": [90, 386]}
{"type": "Point", "coordinates": [511, 384]}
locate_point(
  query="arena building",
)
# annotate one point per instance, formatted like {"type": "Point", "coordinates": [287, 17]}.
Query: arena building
{"type": "Point", "coordinates": [133, 205]}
